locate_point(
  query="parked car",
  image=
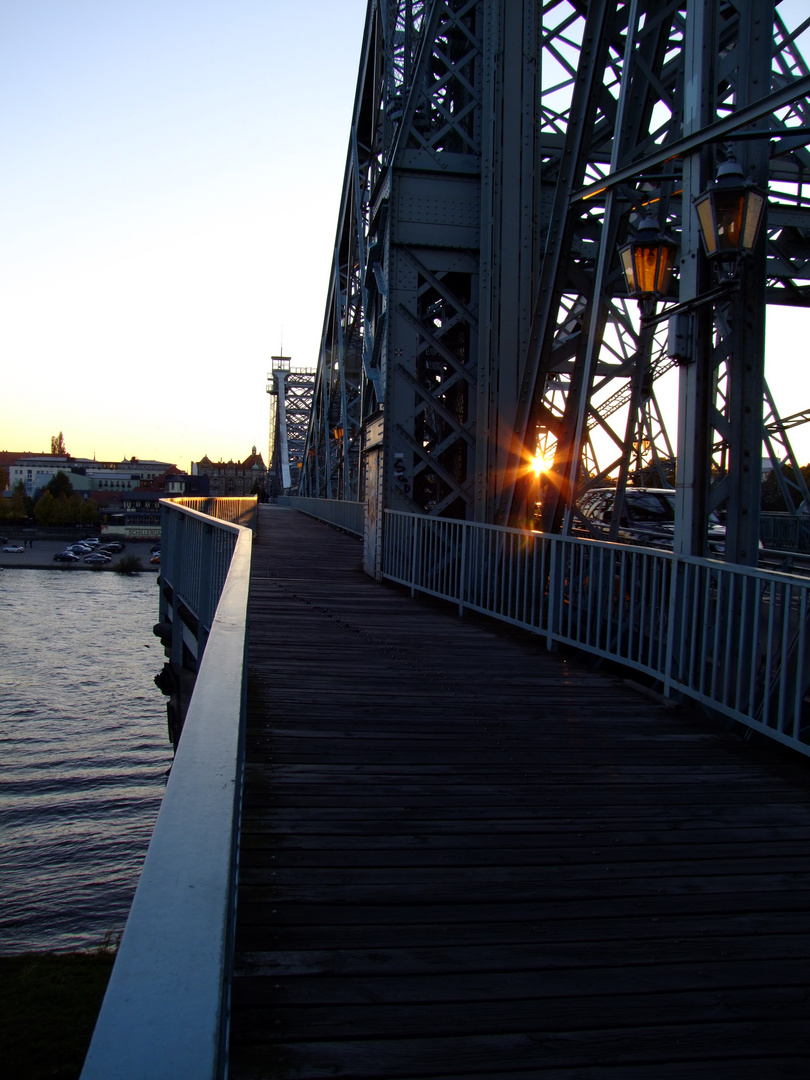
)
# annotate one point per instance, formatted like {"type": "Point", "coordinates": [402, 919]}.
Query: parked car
{"type": "Point", "coordinates": [97, 559]}
{"type": "Point", "coordinates": [648, 518]}
{"type": "Point", "coordinates": [14, 547]}
{"type": "Point", "coordinates": [80, 549]}
{"type": "Point", "coordinates": [112, 547]}
{"type": "Point", "coordinates": [65, 556]}
{"type": "Point", "coordinates": [155, 558]}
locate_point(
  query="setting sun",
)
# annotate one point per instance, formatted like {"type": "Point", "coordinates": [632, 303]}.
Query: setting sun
{"type": "Point", "coordinates": [543, 459]}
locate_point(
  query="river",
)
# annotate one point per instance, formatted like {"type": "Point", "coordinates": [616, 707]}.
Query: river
{"type": "Point", "coordinates": [83, 753]}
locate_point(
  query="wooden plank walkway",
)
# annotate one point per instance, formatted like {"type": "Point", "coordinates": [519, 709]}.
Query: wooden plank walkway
{"type": "Point", "coordinates": [463, 856]}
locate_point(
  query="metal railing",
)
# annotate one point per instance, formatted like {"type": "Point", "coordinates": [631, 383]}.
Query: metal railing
{"type": "Point", "coordinates": [165, 1012]}
{"type": "Point", "coordinates": [733, 638]}
{"type": "Point", "coordinates": [785, 532]}
{"type": "Point", "coordinates": [237, 510]}
{"type": "Point", "coordinates": [196, 553]}
{"type": "Point", "coordinates": [348, 516]}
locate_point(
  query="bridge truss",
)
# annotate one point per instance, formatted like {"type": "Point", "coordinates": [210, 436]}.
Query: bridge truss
{"type": "Point", "coordinates": [291, 395]}
{"type": "Point", "coordinates": [500, 152]}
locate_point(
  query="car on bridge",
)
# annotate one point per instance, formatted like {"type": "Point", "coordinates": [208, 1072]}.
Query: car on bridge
{"type": "Point", "coordinates": [647, 518]}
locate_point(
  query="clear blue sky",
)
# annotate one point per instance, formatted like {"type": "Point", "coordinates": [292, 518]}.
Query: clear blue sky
{"type": "Point", "coordinates": [168, 199]}
{"type": "Point", "coordinates": [171, 174]}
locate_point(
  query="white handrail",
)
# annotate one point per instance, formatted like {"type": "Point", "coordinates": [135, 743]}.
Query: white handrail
{"type": "Point", "coordinates": [165, 1011]}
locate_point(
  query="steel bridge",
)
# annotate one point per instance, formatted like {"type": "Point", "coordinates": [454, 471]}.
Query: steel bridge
{"type": "Point", "coordinates": [641, 911]}
{"type": "Point", "coordinates": [499, 154]}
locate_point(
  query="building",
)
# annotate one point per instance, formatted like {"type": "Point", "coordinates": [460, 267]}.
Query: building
{"type": "Point", "coordinates": [35, 471]}
{"type": "Point", "coordinates": [136, 513]}
{"type": "Point", "coordinates": [233, 478]}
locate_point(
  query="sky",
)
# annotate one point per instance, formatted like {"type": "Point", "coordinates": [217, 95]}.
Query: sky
{"type": "Point", "coordinates": [169, 193]}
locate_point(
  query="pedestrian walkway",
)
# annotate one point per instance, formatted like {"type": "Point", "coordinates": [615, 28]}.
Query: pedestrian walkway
{"type": "Point", "coordinates": [464, 856]}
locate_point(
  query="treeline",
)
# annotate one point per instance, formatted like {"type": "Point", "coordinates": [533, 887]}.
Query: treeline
{"type": "Point", "coordinates": [57, 504]}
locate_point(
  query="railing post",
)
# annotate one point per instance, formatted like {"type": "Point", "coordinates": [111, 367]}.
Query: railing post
{"type": "Point", "coordinates": [676, 587]}
{"type": "Point", "coordinates": [552, 606]}
{"type": "Point", "coordinates": [463, 569]}
{"type": "Point", "coordinates": [414, 551]}
{"type": "Point", "coordinates": [206, 595]}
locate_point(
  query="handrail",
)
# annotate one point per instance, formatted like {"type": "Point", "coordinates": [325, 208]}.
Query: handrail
{"type": "Point", "coordinates": [165, 1012]}
{"type": "Point", "coordinates": [239, 510]}
{"type": "Point", "coordinates": [343, 514]}
{"type": "Point", "coordinates": [734, 638]}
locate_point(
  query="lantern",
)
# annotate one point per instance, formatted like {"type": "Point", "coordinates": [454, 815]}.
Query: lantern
{"type": "Point", "coordinates": [730, 213]}
{"type": "Point", "coordinates": [648, 261]}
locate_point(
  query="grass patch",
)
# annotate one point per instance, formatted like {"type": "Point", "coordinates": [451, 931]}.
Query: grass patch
{"type": "Point", "coordinates": [49, 1003]}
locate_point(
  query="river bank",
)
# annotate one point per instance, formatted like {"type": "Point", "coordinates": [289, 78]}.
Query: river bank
{"type": "Point", "coordinates": [40, 557]}
{"type": "Point", "coordinates": [49, 1004]}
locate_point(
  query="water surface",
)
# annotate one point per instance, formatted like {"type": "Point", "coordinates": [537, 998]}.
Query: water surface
{"type": "Point", "coordinates": [83, 752]}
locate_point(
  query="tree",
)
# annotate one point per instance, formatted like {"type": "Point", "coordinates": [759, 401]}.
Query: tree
{"type": "Point", "coordinates": [60, 485]}
{"type": "Point", "coordinates": [82, 511]}
{"type": "Point", "coordinates": [58, 445]}
{"type": "Point", "coordinates": [45, 509]}
{"type": "Point", "coordinates": [21, 505]}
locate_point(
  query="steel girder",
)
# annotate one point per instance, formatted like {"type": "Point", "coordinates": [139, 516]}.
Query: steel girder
{"type": "Point", "coordinates": [499, 152]}
{"type": "Point", "coordinates": [445, 114]}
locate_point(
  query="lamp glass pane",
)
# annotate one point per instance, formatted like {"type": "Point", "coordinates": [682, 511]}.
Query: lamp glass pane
{"type": "Point", "coordinates": [665, 267]}
{"type": "Point", "coordinates": [646, 259]}
{"type": "Point", "coordinates": [753, 215]}
{"type": "Point", "coordinates": [704, 210]}
{"type": "Point", "coordinates": [728, 210]}
{"type": "Point", "coordinates": [627, 265]}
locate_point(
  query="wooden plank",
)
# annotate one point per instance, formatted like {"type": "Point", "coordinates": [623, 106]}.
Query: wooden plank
{"type": "Point", "coordinates": [572, 1049]}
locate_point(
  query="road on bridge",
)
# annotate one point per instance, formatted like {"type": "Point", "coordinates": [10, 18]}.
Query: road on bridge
{"type": "Point", "coordinates": [464, 856]}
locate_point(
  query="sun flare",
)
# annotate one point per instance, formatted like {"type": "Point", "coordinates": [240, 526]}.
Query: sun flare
{"type": "Point", "coordinates": [543, 460]}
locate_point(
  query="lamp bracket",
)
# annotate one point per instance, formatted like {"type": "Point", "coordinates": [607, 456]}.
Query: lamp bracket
{"type": "Point", "coordinates": [687, 306]}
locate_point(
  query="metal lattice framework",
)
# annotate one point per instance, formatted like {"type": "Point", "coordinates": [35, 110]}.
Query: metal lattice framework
{"type": "Point", "coordinates": [291, 395]}
{"type": "Point", "coordinates": [500, 151]}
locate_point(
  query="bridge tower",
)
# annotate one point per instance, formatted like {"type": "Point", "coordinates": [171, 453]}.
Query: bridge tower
{"type": "Point", "coordinates": [501, 152]}
{"type": "Point", "coordinates": [290, 393]}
